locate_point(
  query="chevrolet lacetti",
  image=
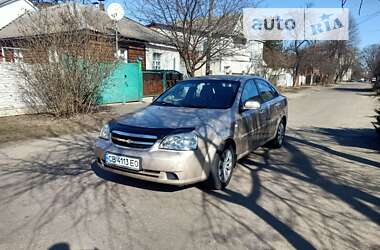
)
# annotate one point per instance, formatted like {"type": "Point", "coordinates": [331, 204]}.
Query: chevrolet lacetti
{"type": "Point", "coordinates": [195, 131]}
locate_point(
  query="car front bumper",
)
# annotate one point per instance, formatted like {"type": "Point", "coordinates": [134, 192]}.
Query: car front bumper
{"type": "Point", "coordinates": [158, 165]}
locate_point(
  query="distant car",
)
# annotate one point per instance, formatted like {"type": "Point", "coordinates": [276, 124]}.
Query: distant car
{"type": "Point", "coordinates": [195, 131]}
{"type": "Point", "coordinates": [373, 80]}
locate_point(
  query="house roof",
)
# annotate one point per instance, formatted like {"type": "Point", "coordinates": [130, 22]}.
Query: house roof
{"type": "Point", "coordinates": [5, 2]}
{"type": "Point", "coordinates": [54, 20]}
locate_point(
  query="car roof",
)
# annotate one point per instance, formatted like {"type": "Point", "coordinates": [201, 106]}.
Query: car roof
{"type": "Point", "coordinates": [240, 78]}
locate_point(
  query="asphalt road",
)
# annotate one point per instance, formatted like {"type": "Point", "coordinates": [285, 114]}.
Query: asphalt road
{"type": "Point", "coordinates": [322, 190]}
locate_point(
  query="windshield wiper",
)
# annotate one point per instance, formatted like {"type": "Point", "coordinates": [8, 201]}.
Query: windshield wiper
{"type": "Point", "coordinates": [196, 106]}
{"type": "Point", "coordinates": [165, 103]}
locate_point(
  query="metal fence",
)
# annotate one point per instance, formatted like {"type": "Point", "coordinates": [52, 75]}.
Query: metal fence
{"type": "Point", "coordinates": [157, 81]}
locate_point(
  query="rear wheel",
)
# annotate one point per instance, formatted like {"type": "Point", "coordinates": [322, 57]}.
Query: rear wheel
{"type": "Point", "coordinates": [280, 136]}
{"type": "Point", "coordinates": [222, 170]}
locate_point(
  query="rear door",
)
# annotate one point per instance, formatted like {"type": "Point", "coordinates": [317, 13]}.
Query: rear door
{"type": "Point", "coordinates": [276, 110]}
{"type": "Point", "coordinates": [267, 110]}
{"type": "Point", "coordinates": [248, 122]}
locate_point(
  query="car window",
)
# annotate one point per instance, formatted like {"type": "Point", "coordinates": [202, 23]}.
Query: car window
{"type": "Point", "coordinates": [266, 91]}
{"type": "Point", "coordinates": [250, 92]}
{"type": "Point", "coordinates": [213, 94]}
{"type": "Point", "coordinates": [274, 90]}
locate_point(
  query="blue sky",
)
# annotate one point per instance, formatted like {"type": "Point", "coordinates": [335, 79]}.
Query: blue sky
{"type": "Point", "coordinates": [368, 21]}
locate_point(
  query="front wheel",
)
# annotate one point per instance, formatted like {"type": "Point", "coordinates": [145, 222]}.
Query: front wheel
{"type": "Point", "coordinates": [280, 136]}
{"type": "Point", "coordinates": [221, 172]}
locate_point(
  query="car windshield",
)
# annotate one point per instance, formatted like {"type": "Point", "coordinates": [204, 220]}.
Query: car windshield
{"type": "Point", "coordinates": [211, 94]}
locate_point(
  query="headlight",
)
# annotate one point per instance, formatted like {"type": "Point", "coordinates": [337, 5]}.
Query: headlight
{"type": "Point", "coordinates": [105, 132]}
{"type": "Point", "coordinates": [184, 141]}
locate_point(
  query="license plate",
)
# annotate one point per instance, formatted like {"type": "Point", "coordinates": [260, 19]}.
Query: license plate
{"type": "Point", "coordinates": [122, 161]}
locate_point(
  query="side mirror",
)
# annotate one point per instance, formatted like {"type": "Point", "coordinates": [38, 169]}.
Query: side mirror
{"type": "Point", "coordinates": [252, 105]}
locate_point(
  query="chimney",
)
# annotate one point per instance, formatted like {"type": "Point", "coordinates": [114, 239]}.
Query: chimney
{"type": "Point", "coordinates": [101, 5]}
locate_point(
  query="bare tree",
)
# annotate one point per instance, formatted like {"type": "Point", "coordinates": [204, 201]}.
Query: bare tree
{"type": "Point", "coordinates": [201, 30]}
{"type": "Point", "coordinates": [55, 2]}
{"type": "Point", "coordinates": [346, 52]}
{"type": "Point", "coordinates": [275, 60]}
{"type": "Point", "coordinates": [370, 57]}
{"type": "Point", "coordinates": [296, 56]}
{"type": "Point", "coordinates": [331, 60]}
{"type": "Point", "coordinates": [67, 54]}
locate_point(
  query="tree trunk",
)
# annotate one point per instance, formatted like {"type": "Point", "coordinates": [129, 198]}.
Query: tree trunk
{"type": "Point", "coordinates": [191, 72]}
{"type": "Point", "coordinates": [296, 77]}
{"type": "Point", "coordinates": [208, 55]}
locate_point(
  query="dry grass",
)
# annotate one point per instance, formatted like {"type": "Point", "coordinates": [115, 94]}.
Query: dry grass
{"type": "Point", "coordinates": [25, 127]}
{"type": "Point", "coordinates": [292, 89]}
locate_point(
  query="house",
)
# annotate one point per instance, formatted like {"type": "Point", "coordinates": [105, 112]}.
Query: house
{"type": "Point", "coordinates": [162, 56]}
{"type": "Point", "coordinates": [12, 9]}
{"type": "Point", "coordinates": [10, 101]}
{"type": "Point", "coordinates": [133, 38]}
{"type": "Point", "coordinates": [243, 57]}
{"type": "Point", "coordinates": [246, 58]}
{"type": "Point", "coordinates": [347, 76]}
{"type": "Point", "coordinates": [136, 43]}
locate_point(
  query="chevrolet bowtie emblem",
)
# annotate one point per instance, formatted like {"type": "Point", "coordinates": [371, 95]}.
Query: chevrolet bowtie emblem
{"type": "Point", "coordinates": [123, 140]}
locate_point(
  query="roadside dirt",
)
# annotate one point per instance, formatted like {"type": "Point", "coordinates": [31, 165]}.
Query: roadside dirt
{"type": "Point", "coordinates": [27, 127]}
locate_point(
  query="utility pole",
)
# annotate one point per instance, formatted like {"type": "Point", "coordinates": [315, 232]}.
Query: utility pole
{"type": "Point", "coordinates": [116, 12]}
{"type": "Point", "coordinates": [209, 36]}
{"type": "Point", "coordinates": [117, 40]}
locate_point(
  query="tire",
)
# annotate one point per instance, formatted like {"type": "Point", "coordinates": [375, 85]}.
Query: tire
{"type": "Point", "coordinates": [224, 165]}
{"type": "Point", "coordinates": [280, 136]}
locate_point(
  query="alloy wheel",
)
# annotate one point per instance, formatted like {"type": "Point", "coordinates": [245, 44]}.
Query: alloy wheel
{"type": "Point", "coordinates": [280, 133]}
{"type": "Point", "coordinates": [225, 166]}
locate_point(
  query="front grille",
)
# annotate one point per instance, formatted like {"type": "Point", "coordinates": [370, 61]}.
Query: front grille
{"type": "Point", "coordinates": [132, 140]}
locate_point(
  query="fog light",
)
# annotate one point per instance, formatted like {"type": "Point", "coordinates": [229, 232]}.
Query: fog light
{"type": "Point", "coordinates": [171, 176]}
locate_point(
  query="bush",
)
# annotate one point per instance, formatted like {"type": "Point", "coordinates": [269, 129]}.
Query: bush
{"type": "Point", "coordinates": [64, 61]}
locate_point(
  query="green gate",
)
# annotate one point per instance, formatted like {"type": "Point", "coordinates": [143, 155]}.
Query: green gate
{"type": "Point", "coordinates": [123, 85]}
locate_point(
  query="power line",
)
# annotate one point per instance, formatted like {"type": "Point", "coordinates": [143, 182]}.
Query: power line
{"type": "Point", "coordinates": [369, 17]}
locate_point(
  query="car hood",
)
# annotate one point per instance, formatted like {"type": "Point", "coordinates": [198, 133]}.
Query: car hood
{"type": "Point", "coordinates": [175, 117]}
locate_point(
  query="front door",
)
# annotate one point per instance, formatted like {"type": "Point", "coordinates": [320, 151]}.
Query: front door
{"type": "Point", "coordinates": [249, 120]}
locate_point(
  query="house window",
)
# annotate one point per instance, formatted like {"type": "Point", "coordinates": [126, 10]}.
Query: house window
{"type": "Point", "coordinates": [122, 54]}
{"type": "Point", "coordinates": [239, 42]}
{"type": "Point", "coordinates": [9, 54]}
{"type": "Point", "coordinates": [156, 61]}
{"type": "Point", "coordinates": [227, 70]}
{"type": "Point", "coordinates": [53, 56]}
{"type": "Point", "coordinates": [205, 45]}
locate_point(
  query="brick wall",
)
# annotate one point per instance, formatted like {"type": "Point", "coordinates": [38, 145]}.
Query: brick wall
{"type": "Point", "coordinates": [135, 52]}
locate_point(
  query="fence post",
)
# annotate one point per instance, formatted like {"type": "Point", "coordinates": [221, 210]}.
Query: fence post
{"type": "Point", "coordinates": [141, 81]}
{"type": "Point", "coordinates": [164, 81]}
